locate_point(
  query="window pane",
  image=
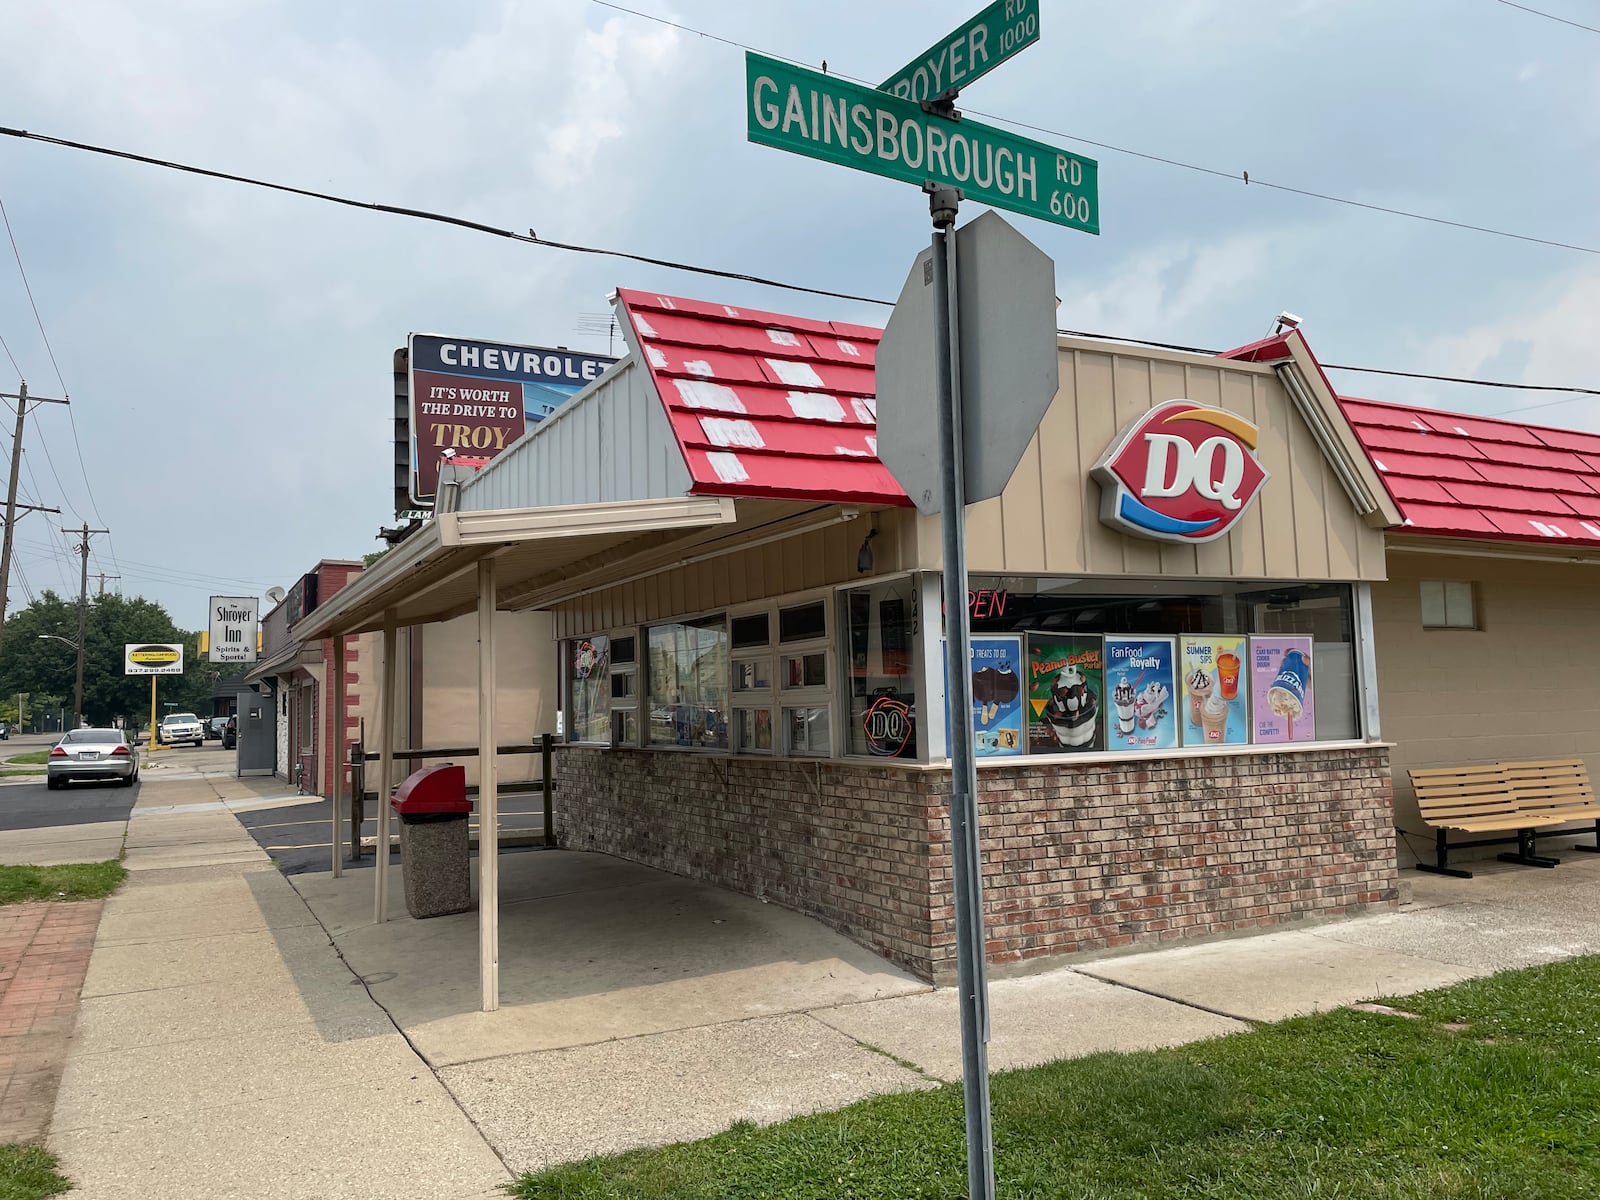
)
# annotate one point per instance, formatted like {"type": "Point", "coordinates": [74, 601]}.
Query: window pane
{"type": "Point", "coordinates": [588, 664]}
{"type": "Point", "coordinates": [803, 622]}
{"type": "Point", "coordinates": [750, 631]}
{"type": "Point", "coordinates": [688, 684]}
{"type": "Point", "coordinates": [622, 650]}
{"type": "Point", "coordinates": [805, 670]}
{"type": "Point", "coordinates": [1458, 612]}
{"type": "Point", "coordinates": [752, 674]}
{"type": "Point", "coordinates": [879, 623]}
{"type": "Point", "coordinates": [753, 729]}
{"type": "Point", "coordinates": [623, 685]}
{"type": "Point", "coordinates": [1432, 603]}
{"type": "Point", "coordinates": [807, 730]}
{"type": "Point", "coordinates": [625, 727]}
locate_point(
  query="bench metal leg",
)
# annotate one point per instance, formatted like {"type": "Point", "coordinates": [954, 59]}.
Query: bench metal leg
{"type": "Point", "coordinates": [1441, 846]}
{"type": "Point", "coordinates": [1525, 855]}
{"type": "Point", "coordinates": [1585, 847]}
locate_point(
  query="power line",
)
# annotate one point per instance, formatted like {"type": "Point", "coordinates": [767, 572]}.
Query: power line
{"type": "Point", "coordinates": [531, 238]}
{"type": "Point", "coordinates": [77, 442]}
{"type": "Point", "coordinates": [1548, 16]}
{"type": "Point", "coordinates": [11, 356]}
{"type": "Point", "coordinates": [17, 254]}
{"type": "Point", "coordinates": [714, 272]}
{"type": "Point", "coordinates": [1235, 176]}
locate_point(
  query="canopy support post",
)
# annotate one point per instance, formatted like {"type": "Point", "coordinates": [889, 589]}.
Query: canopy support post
{"type": "Point", "coordinates": [488, 796]}
{"type": "Point", "coordinates": [386, 727]}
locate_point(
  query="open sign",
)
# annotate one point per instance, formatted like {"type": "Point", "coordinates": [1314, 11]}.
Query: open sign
{"type": "Point", "coordinates": [1180, 473]}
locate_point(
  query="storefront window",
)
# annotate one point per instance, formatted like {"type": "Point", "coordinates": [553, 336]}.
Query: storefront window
{"type": "Point", "coordinates": [588, 671]}
{"type": "Point", "coordinates": [688, 683]}
{"type": "Point", "coordinates": [1162, 664]}
{"type": "Point", "coordinates": [624, 692]}
{"type": "Point", "coordinates": [880, 694]}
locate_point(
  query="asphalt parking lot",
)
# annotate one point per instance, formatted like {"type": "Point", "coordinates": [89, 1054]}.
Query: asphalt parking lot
{"type": "Point", "coordinates": [298, 839]}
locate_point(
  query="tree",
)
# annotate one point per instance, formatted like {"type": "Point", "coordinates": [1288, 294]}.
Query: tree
{"type": "Point", "coordinates": [44, 666]}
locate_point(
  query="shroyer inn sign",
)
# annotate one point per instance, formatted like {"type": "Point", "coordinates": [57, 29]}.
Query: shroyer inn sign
{"type": "Point", "coordinates": [822, 116]}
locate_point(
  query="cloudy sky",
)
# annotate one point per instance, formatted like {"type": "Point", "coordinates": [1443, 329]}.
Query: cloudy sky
{"type": "Point", "coordinates": [227, 350]}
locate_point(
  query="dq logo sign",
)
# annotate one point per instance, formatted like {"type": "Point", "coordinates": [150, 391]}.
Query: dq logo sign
{"type": "Point", "coordinates": [1180, 473]}
{"type": "Point", "coordinates": [888, 724]}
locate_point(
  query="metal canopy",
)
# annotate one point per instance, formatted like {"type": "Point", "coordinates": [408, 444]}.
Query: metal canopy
{"type": "Point", "coordinates": [432, 575]}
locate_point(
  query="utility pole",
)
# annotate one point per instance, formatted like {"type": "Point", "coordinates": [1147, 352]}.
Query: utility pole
{"type": "Point", "coordinates": [83, 617]}
{"type": "Point", "coordinates": [102, 577]}
{"type": "Point", "coordinates": [21, 397]}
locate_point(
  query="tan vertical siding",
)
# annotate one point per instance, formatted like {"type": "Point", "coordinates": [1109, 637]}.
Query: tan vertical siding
{"type": "Point", "coordinates": [1302, 525]}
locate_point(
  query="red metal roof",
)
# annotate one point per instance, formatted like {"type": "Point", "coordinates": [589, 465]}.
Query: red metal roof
{"type": "Point", "coordinates": [763, 404]}
{"type": "Point", "coordinates": [783, 407]}
{"type": "Point", "coordinates": [1481, 477]}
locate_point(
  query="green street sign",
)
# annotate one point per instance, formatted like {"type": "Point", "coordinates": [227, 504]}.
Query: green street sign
{"type": "Point", "coordinates": [821, 116]}
{"type": "Point", "coordinates": [971, 52]}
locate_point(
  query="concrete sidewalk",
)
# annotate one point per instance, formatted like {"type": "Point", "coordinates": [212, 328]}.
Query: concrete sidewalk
{"type": "Point", "coordinates": [223, 1049]}
{"type": "Point", "coordinates": [640, 1008]}
{"type": "Point", "coordinates": [240, 1036]}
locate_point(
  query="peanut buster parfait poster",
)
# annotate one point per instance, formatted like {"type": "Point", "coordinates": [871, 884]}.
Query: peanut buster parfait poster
{"type": "Point", "coordinates": [1281, 692]}
{"type": "Point", "coordinates": [1066, 694]}
{"type": "Point", "coordinates": [1215, 696]}
{"type": "Point", "coordinates": [1142, 681]}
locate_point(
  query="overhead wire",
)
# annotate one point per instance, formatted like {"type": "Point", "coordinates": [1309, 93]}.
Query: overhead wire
{"type": "Point", "coordinates": [1243, 177]}
{"type": "Point", "coordinates": [11, 356]}
{"type": "Point", "coordinates": [77, 442]}
{"type": "Point", "coordinates": [671, 264]}
{"type": "Point", "coordinates": [1548, 16]}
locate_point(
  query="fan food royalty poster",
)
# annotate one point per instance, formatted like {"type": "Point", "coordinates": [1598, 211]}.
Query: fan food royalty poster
{"type": "Point", "coordinates": [1215, 696]}
{"type": "Point", "coordinates": [996, 696]}
{"type": "Point", "coordinates": [1281, 691]}
{"type": "Point", "coordinates": [1066, 694]}
{"type": "Point", "coordinates": [1142, 680]}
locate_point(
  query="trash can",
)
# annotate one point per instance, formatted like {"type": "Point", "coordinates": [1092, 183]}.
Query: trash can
{"type": "Point", "coordinates": [433, 808]}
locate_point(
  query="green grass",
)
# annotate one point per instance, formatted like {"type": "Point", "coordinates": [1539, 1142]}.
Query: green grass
{"type": "Point", "coordinates": [74, 881]}
{"type": "Point", "coordinates": [1343, 1106]}
{"type": "Point", "coordinates": [33, 757]}
{"type": "Point", "coordinates": [23, 771]}
{"type": "Point", "coordinates": [29, 1173]}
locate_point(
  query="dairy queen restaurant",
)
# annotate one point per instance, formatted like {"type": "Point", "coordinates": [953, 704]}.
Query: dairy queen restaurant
{"type": "Point", "coordinates": [1219, 614]}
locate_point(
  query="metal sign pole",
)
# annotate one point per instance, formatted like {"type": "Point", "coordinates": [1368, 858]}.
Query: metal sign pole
{"type": "Point", "coordinates": [965, 856]}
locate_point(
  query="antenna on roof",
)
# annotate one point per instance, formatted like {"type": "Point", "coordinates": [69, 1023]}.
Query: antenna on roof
{"type": "Point", "coordinates": [598, 323]}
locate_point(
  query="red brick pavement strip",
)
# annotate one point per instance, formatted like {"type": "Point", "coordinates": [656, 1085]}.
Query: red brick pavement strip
{"type": "Point", "coordinates": [44, 955]}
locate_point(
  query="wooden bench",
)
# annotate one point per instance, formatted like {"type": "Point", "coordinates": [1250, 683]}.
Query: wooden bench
{"type": "Point", "coordinates": [1507, 797]}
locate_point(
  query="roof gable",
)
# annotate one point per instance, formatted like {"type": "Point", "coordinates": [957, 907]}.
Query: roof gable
{"type": "Point", "coordinates": [763, 404]}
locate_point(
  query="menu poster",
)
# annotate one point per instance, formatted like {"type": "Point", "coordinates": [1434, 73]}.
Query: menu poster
{"type": "Point", "coordinates": [1066, 693]}
{"type": "Point", "coordinates": [996, 696]}
{"type": "Point", "coordinates": [1141, 676]}
{"type": "Point", "coordinates": [1215, 706]}
{"type": "Point", "coordinates": [1281, 691]}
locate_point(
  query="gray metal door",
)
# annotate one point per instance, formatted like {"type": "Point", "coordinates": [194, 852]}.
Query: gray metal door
{"type": "Point", "coordinates": [258, 735]}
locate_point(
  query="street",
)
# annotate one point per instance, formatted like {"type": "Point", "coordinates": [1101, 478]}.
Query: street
{"type": "Point", "coordinates": [25, 802]}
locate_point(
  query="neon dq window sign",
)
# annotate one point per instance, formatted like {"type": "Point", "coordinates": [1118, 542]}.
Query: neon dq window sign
{"type": "Point", "coordinates": [1182, 473]}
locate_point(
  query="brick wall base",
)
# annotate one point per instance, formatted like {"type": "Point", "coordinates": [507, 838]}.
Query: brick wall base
{"type": "Point", "coordinates": [1076, 858]}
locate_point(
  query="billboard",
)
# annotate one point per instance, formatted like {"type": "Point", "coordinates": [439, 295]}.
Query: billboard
{"type": "Point", "coordinates": [152, 658]}
{"type": "Point", "coordinates": [476, 397]}
{"type": "Point", "coordinates": [235, 623]}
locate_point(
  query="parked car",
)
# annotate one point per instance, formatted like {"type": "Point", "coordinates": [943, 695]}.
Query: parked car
{"type": "Point", "coordinates": [230, 733]}
{"type": "Point", "coordinates": [181, 727]}
{"type": "Point", "coordinates": [103, 754]}
{"type": "Point", "coordinates": [5, 731]}
{"type": "Point", "coordinates": [214, 726]}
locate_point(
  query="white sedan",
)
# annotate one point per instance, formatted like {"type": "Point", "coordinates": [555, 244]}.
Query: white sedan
{"type": "Point", "coordinates": [93, 754]}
